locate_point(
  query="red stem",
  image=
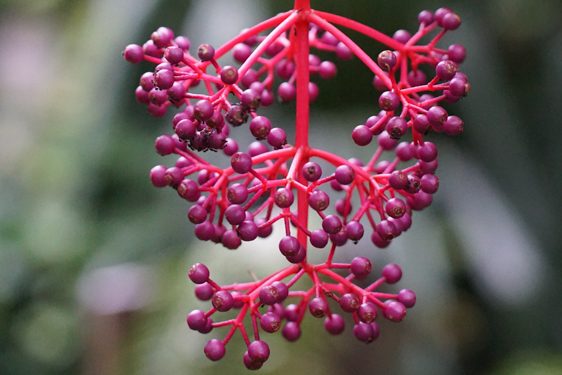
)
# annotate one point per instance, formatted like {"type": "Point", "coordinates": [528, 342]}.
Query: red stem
{"type": "Point", "coordinates": [302, 50]}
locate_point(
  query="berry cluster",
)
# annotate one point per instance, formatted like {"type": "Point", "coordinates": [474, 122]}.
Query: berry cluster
{"type": "Point", "coordinates": [277, 181]}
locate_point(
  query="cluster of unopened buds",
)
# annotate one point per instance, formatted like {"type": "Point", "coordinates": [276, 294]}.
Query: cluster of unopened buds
{"type": "Point", "coordinates": [279, 180]}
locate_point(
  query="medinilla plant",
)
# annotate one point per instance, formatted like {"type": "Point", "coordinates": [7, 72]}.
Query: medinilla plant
{"type": "Point", "coordinates": [280, 182]}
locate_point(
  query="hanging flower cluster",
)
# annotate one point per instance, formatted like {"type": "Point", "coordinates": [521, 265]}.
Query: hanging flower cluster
{"type": "Point", "coordinates": [280, 180]}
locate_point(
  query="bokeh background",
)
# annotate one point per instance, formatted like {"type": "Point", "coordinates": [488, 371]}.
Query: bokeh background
{"type": "Point", "coordinates": [94, 260]}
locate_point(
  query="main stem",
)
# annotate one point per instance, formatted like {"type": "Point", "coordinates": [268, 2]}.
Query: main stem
{"type": "Point", "coordinates": [302, 50]}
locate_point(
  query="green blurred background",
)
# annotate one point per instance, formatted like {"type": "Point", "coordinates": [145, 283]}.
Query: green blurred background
{"type": "Point", "coordinates": [94, 260]}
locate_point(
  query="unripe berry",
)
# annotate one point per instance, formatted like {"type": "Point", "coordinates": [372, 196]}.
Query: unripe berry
{"type": "Point", "coordinates": [319, 238]}
{"type": "Point", "coordinates": [198, 273]}
{"type": "Point", "coordinates": [364, 332]}
{"type": "Point", "coordinates": [311, 171]}
{"type": "Point", "coordinates": [407, 298]}
{"type": "Point", "coordinates": [395, 311]}
{"type": "Point", "coordinates": [260, 127]}
{"type": "Point", "coordinates": [270, 322]}
{"type": "Point", "coordinates": [389, 101]}
{"type": "Point", "coordinates": [331, 224]}
{"type": "Point", "coordinates": [345, 175]}
{"type": "Point", "coordinates": [286, 92]}
{"type": "Point", "coordinates": [158, 176]}
{"type": "Point", "coordinates": [395, 208]}
{"type": "Point", "coordinates": [349, 302]}
{"type": "Point", "coordinates": [327, 70]}
{"type": "Point", "coordinates": [367, 312]}
{"type": "Point", "coordinates": [174, 55]}
{"type": "Point", "coordinates": [206, 52]}
{"type": "Point", "coordinates": [291, 331]}
{"type": "Point", "coordinates": [277, 138]}
{"type": "Point", "coordinates": [204, 292]}
{"type": "Point", "coordinates": [318, 307]}
{"type": "Point", "coordinates": [231, 240]}
{"type": "Point", "coordinates": [284, 198]}
{"type": "Point", "coordinates": [446, 70]}
{"type": "Point", "coordinates": [214, 350]}
{"type": "Point", "coordinates": [241, 162]}
{"type": "Point", "coordinates": [289, 246]}
{"type": "Point", "coordinates": [268, 295]}
{"type": "Point", "coordinates": [360, 267]}
{"type": "Point", "coordinates": [222, 301]}
{"type": "Point", "coordinates": [355, 231]}
{"type": "Point", "coordinates": [319, 200]}
{"type": "Point", "coordinates": [229, 75]}
{"type": "Point", "coordinates": [392, 273]}
{"type": "Point", "coordinates": [387, 60]}
{"type": "Point", "coordinates": [362, 135]}
{"type": "Point", "coordinates": [133, 53]}
{"type": "Point", "coordinates": [334, 324]}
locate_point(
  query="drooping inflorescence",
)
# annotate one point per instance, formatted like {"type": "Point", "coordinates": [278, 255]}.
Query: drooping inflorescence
{"type": "Point", "coordinates": [280, 180]}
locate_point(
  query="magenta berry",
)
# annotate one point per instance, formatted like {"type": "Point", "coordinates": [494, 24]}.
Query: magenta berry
{"type": "Point", "coordinates": [241, 162]}
{"type": "Point", "coordinates": [260, 127]}
{"type": "Point", "coordinates": [395, 208]}
{"type": "Point", "coordinates": [311, 171]}
{"type": "Point", "coordinates": [389, 101]}
{"type": "Point", "coordinates": [289, 246]}
{"type": "Point", "coordinates": [364, 332]}
{"type": "Point", "coordinates": [349, 302]}
{"type": "Point", "coordinates": [298, 257]}
{"type": "Point", "coordinates": [276, 138]}
{"type": "Point", "coordinates": [215, 350]}
{"type": "Point", "coordinates": [360, 267]}
{"type": "Point", "coordinates": [268, 295]}
{"type": "Point", "coordinates": [453, 125]}
{"type": "Point", "coordinates": [204, 291]}
{"type": "Point", "coordinates": [319, 238]}
{"type": "Point", "coordinates": [199, 273]}
{"type": "Point", "coordinates": [286, 92]}
{"type": "Point", "coordinates": [367, 312]}
{"type": "Point", "coordinates": [331, 224]}
{"type": "Point", "coordinates": [395, 311]}
{"type": "Point", "coordinates": [319, 200]}
{"type": "Point", "coordinates": [284, 198]}
{"type": "Point", "coordinates": [392, 273]}
{"type": "Point", "coordinates": [327, 70]}
{"type": "Point", "coordinates": [270, 322]}
{"type": "Point", "coordinates": [362, 135]}
{"type": "Point", "coordinates": [387, 60]}
{"type": "Point", "coordinates": [222, 301]}
{"type": "Point", "coordinates": [291, 331]}
{"type": "Point", "coordinates": [196, 320]}
{"type": "Point", "coordinates": [334, 324]}
{"type": "Point", "coordinates": [396, 127]}
{"type": "Point", "coordinates": [318, 307]}
{"type": "Point", "coordinates": [345, 175]}
{"type": "Point", "coordinates": [446, 70]}
{"type": "Point", "coordinates": [133, 53]}
{"type": "Point", "coordinates": [229, 75]}
{"type": "Point", "coordinates": [206, 52]}
{"type": "Point", "coordinates": [407, 298]}
{"type": "Point", "coordinates": [355, 231]}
